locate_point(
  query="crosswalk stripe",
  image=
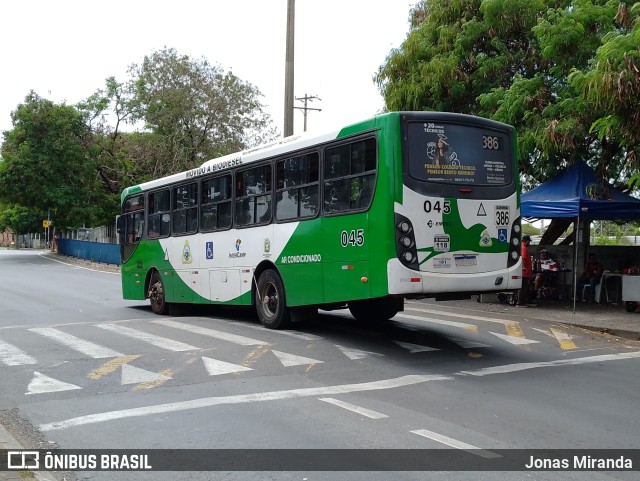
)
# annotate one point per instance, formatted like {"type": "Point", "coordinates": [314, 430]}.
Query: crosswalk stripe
{"type": "Point", "coordinates": [85, 347]}
{"type": "Point", "coordinates": [455, 314]}
{"type": "Point", "coordinates": [205, 331]}
{"type": "Point", "coordinates": [514, 339]}
{"type": "Point", "coordinates": [460, 325]}
{"type": "Point", "coordinates": [158, 341]}
{"type": "Point", "coordinates": [11, 355]}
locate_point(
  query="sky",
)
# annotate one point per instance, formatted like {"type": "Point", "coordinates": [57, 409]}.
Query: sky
{"type": "Point", "coordinates": [65, 49]}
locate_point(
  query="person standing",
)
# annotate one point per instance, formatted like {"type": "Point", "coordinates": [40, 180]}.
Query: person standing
{"type": "Point", "coordinates": [527, 271]}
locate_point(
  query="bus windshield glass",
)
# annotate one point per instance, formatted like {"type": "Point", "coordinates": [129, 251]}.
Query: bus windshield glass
{"type": "Point", "coordinates": [459, 154]}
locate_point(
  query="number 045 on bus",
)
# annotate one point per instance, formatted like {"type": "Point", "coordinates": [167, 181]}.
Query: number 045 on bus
{"type": "Point", "coordinates": [402, 205]}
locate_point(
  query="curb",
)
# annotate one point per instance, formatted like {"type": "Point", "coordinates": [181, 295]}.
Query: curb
{"type": "Point", "coordinates": [633, 335]}
{"type": "Point", "coordinates": [7, 441]}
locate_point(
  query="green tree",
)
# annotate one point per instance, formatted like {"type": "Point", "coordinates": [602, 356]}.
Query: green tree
{"type": "Point", "coordinates": [612, 83]}
{"type": "Point", "coordinates": [182, 112]}
{"type": "Point", "coordinates": [20, 219]}
{"type": "Point", "coordinates": [512, 60]}
{"type": "Point", "coordinates": [47, 166]}
{"type": "Point", "coordinates": [198, 110]}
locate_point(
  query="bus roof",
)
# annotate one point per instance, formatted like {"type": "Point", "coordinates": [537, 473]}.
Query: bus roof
{"type": "Point", "coordinates": [254, 154]}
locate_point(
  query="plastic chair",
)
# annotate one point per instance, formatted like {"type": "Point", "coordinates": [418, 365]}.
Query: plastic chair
{"type": "Point", "coordinates": [585, 292]}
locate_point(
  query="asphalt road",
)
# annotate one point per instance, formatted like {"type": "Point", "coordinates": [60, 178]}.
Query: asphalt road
{"type": "Point", "coordinates": [82, 368]}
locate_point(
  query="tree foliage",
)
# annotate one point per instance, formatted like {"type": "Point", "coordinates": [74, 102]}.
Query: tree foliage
{"type": "Point", "coordinates": [563, 72]}
{"type": "Point", "coordinates": [47, 165]}
{"type": "Point", "coordinates": [20, 219]}
{"type": "Point", "coordinates": [171, 114]}
{"type": "Point", "coordinates": [187, 111]}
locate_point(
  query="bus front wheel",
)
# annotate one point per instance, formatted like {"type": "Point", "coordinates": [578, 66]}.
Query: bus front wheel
{"type": "Point", "coordinates": [270, 301]}
{"type": "Point", "coordinates": [375, 310]}
{"type": "Point", "coordinates": [159, 303]}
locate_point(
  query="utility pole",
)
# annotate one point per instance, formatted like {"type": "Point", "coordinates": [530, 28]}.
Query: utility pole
{"type": "Point", "coordinates": [306, 100]}
{"type": "Point", "coordinates": [289, 70]}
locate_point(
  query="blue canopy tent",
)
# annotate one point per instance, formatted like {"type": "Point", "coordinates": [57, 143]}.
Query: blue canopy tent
{"type": "Point", "coordinates": [578, 194]}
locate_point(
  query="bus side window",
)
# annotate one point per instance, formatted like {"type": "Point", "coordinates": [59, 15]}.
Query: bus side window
{"type": "Point", "coordinates": [297, 182]}
{"type": "Point", "coordinates": [349, 176]}
{"type": "Point", "coordinates": [159, 214]}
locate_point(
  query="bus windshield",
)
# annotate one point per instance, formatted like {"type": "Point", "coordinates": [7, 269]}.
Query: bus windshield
{"type": "Point", "coordinates": [458, 154]}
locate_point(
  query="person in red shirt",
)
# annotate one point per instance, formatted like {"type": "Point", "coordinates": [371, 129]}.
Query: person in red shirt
{"type": "Point", "coordinates": [527, 272]}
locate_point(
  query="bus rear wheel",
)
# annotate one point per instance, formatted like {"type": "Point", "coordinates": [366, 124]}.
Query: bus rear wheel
{"type": "Point", "coordinates": [156, 293]}
{"type": "Point", "coordinates": [270, 301]}
{"type": "Point", "coordinates": [375, 310]}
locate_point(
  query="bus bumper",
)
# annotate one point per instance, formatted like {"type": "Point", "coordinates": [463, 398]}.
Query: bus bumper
{"type": "Point", "coordinates": [403, 281]}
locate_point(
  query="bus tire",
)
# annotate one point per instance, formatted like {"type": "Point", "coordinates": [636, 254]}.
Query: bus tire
{"type": "Point", "coordinates": [157, 296]}
{"type": "Point", "coordinates": [270, 301]}
{"type": "Point", "coordinates": [630, 306]}
{"type": "Point", "coordinates": [374, 310]}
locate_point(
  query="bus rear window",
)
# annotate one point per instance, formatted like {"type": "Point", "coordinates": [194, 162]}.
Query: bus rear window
{"type": "Point", "coordinates": [458, 154]}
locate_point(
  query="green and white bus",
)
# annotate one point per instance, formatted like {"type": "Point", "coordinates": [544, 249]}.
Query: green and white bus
{"type": "Point", "coordinates": [401, 205]}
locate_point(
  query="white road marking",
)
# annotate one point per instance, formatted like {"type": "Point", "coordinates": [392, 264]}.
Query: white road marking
{"type": "Point", "coordinates": [355, 354]}
{"type": "Point", "coordinates": [205, 331]}
{"type": "Point", "coordinates": [461, 316]}
{"type": "Point", "coordinates": [288, 360]}
{"type": "Point", "coordinates": [466, 344]}
{"type": "Point", "coordinates": [11, 355]}
{"type": "Point", "coordinates": [413, 348]}
{"type": "Point", "coordinates": [215, 367]}
{"type": "Point", "coordinates": [297, 335]}
{"type": "Point", "coordinates": [241, 399]}
{"type": "Point", "coordinates": [85, 347]}
{"type": "Point", "coordinates": [158, 341]}
{"type": "Point", "coordinates": [508, 368]}
{"type": "Point", "coordinates": [459, 325]}
{"type": "Point", "coordinates": [514, 339]}
{"type": "Point", "coordinates": [454, 443]}
{"type": "Point", "coordinates": [42, 384]}
{"type": "Point", "coordinates": [353, 408]}
{"type": "Point", "coordinates": [74, 266]}
{"type": "Point", "coordinates": [135, 375]}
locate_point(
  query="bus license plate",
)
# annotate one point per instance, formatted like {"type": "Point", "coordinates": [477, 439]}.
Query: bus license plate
{"type": "Point", "coordinates": [466, 260]}
{"type": "Point", "coordinates": [441, 243]}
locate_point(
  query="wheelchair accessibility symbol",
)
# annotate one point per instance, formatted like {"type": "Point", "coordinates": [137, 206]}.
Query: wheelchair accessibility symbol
{"type": "Point", "coordinates": [502, 235]}
{"type": "Point", "coordinates": [209, 247]}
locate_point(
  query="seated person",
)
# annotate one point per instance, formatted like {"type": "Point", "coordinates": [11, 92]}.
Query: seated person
{"type": "Point", "coordinates": [591, 275]}
{"type": "Point", "coordinates": [545, 264]}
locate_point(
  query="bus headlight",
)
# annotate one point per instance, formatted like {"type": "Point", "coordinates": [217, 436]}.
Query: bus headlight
{"type": "Point", "coordinates": [407, 256]}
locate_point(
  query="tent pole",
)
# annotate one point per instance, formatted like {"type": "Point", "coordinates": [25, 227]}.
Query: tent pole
{"type": "Point", "coordinates": [575, 261]}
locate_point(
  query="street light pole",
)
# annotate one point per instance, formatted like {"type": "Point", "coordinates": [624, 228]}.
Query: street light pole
{"type": "Point", "coordinates": [289, 70]}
